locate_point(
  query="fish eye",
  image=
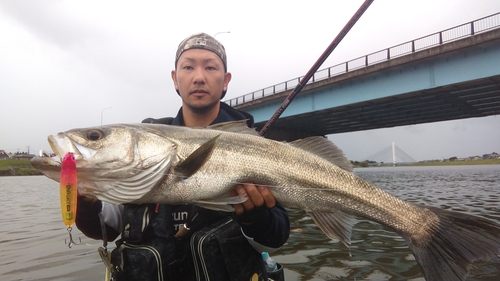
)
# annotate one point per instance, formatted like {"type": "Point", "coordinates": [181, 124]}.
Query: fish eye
{"type": "Point", "coordinates": [95, 135]}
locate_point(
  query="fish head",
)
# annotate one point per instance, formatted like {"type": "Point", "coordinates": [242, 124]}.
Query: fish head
{"type": "Point", "coordinates": [115, 163]}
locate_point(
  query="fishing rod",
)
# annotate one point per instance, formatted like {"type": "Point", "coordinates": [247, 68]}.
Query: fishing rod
{"type": "Point", "coordinates": [315, 67]}
{"type": "Point", "coordinates": [184, 229]}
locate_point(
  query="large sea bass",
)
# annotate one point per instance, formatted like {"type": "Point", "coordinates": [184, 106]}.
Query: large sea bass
{"type": "Point", "coordinates": [148, 163]}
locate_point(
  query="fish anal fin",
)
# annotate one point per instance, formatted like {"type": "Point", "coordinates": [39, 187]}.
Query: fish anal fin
{"type": "Point", "coordinates": [196, 159]}
{"type": "Point", "coordinates": [335, 224]}
{"type": "Point", "coordinates": [324, 148]}
{"type": "Point", "coordinates": [221, 204]}
{"type": "Point", "coordinates": [208, 206]}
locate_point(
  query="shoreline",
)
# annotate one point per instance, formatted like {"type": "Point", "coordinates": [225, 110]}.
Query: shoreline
{"type": "Point", "coordinates": [22, 167]}
{"type": "Point", "coordinates": [17, 167]}
{"type": "Point", "coordinates": [443, 163]}
{"type": "Point", "coordinates": [460, 163]}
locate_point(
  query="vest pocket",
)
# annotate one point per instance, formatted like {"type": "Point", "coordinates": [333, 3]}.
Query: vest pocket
{"type": "Point", "coordinates": [223, 253]}
{"type": "Point", "coordinates": [139, 262]}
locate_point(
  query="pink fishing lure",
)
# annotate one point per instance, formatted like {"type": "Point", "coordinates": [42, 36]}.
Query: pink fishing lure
{"type": "Point", "coordinates": [69, 189]}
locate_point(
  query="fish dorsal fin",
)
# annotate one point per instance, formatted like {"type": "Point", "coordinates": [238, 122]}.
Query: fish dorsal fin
{"type": "Point", "coordinates": [234, 127]}
{"type": "Point", "coordinates": [324, 148]}
{"type": "Point", "coordinates": [335, 224]}
{"type": "Point", "coordinates": [196, 159]}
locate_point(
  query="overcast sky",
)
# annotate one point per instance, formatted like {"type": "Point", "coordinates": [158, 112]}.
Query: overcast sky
{"type": "Point", "coordinates": [66, 64]}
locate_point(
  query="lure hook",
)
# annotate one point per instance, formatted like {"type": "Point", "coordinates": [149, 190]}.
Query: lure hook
{"type": "Point", "coordinates": [71, 241]}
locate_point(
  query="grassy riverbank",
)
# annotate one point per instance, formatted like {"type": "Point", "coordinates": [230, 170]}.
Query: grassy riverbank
{"type": "Point", "coordinates": [17, 167]}
{"type": "Point", "coordinates": [460, 162]}
{"type": "Point", "coordinates": [443, 163]}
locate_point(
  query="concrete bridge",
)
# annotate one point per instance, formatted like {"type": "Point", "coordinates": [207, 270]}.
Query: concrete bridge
{"type": "Point", "coordinates": [451, 74]}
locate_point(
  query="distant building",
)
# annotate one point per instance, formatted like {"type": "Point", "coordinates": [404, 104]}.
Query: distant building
{"type": "Point", "coordinates": [493, 155]}
{"type": "Point", "coordinates": [23, 155]}
{"type": "Point", "coordinates": [3, 155]}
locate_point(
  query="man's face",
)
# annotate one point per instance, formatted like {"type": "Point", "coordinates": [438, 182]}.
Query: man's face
{"type": "Point", "coordinates": [200, 79]}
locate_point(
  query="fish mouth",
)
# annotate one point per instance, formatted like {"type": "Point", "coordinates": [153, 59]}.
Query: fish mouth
{"type": "Point", "coordinates": [49, 165]}
{"type": "Point", "coordinates": [61, 145]}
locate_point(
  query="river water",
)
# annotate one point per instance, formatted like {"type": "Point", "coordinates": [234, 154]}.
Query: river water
{"type": "Point", "coordinates": [32, 233]}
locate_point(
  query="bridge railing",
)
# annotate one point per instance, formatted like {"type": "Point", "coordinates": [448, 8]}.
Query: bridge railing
{"type": "Point", "coordinates": [429, 41]}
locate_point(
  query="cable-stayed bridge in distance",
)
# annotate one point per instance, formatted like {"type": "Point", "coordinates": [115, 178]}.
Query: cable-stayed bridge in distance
{"type": "Point", "coordinates": [392, 154]}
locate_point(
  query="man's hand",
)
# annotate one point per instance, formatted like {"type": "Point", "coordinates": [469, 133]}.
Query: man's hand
{"type": "Point", "coordinates": [258, 196]}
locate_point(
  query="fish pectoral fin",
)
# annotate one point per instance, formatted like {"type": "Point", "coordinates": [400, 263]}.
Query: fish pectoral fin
{"type": "Point", "coordinates": [335, 224]}
{"type": "Point", "coordinates": [196, 160]}
{"type": "Point", "coordinates": [221, 204]}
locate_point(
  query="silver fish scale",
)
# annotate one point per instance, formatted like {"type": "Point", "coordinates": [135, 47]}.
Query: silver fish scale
{"type": "Point", "coordinates": [291, 174]}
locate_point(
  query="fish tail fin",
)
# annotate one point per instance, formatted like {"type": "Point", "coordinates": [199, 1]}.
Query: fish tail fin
{"type": "Point", "coordinates": [454, 244]}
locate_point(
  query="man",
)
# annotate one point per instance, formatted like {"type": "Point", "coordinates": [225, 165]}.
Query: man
{"type": "Point", "coordinates": [154, 243]}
